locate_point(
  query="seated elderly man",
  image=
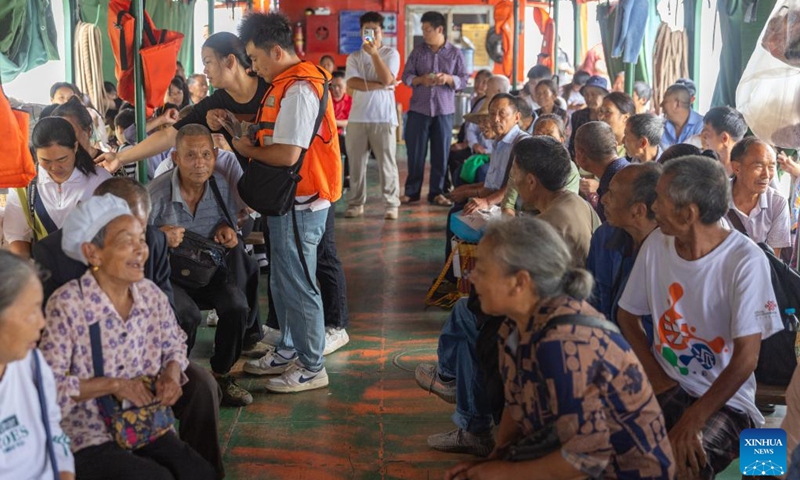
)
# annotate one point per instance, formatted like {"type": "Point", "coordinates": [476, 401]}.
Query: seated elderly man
{"type": "Point", "coordinates": [468, 345]}
{"type": "Point", "coordinates": [615, 245]}
{"type": "Point", "coordinates": [198, 407]}
{"type": "Point", "coordinates": [709, 292]}
{"type": "Point", "coordinates": [756, 209]}
{"type": "Point", "coordinates": [596, 152]}
{"type": "Point", "coordinates": [115, 348]}
{"type": "Point", "coordinates": [195, 200]}
{"type": "Point", "coordinates": [643, 133]}
{"type": "Point", "coordinates": [504, 118]}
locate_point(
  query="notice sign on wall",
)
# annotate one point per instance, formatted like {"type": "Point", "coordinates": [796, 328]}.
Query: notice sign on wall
{"type": "Point", "coordinates": [476, 34]}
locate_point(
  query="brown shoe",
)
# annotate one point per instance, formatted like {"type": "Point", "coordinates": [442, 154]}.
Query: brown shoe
{"type": "Point", "coordinates": [405, 199]}
{"type": "Point", "coordinates": [441, 201]}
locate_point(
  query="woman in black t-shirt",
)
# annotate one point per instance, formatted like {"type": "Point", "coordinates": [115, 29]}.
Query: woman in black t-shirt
{"type": "Point", "coordinates": [227, 67]}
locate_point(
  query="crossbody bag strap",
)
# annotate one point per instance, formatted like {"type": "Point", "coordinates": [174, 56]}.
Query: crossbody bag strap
{"type": "Point", "coordinates": [45, 417]}
{"type": "Point", "coordinates": [105, 402]}
{"type": "Point", "coordinates": [38, 206]}
{"type": "Point", "coordinates": [323, 106]}
{"type": "Point", "coordinates": [736, 222]}
{"type": "Point", "coordinates": [215, 189]}
{"type": "Point", "coordinates": [580, 320]}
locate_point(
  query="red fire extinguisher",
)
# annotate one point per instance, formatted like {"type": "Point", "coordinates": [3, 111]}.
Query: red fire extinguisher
{"type": "Point", "coordinates": [299, 39]}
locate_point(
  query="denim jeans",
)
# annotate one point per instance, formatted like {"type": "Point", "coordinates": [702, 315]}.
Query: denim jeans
{"type": "Point", "coordinates": [458, 359]}
{"type": "Point", "coordinates": [298, 303]}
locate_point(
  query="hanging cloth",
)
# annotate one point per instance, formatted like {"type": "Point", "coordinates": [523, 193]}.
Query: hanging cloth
{"type": "Point", "coordinates": [17, 168]}
{"type": "Point", "coordinates": [27, 36]}
{"type": "Point", "coordinates": [159, 54]}
{"type": "Point", "coordinates": [629, 29]}
{"type": "Point", "coordinates": [670, 61]}
{"type": "Point", "coordinates": [89, 64]}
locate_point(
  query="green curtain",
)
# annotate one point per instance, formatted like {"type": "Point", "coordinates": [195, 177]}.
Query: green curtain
{"type": "Point", "coordinates": [167, 14]}
{"type": "Point", "coordinates": [27, 36]}
{"type": "Point", "coordinates": [644, 65]}
{"type": "Point", "coordinates": [738, 43]}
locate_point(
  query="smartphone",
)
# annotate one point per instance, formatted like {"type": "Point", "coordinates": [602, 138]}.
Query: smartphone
{"type": "Point", "coordinates": [369, 35]}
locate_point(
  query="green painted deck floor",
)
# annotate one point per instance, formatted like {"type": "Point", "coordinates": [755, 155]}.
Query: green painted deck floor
{"type": "Point", "coordinates": [373, 420]}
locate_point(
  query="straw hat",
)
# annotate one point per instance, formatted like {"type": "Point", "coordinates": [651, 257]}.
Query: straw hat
{"type": "Point", "coordinates": [475, 117]}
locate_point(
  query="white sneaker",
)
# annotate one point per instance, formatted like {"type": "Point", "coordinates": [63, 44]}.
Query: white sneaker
{"type": "Point", "coordinates": [212, 319]}
{"type": "Point", "coordinates": [335, 338]}
{"type": "Point", "coordinates": [354, 211]}
{"type": "Point", "coordinates": [298, 379]}
{"type": "Point", "coordinates": [272, 363]}
{"type": "Point", "coordinates": [271, 336]}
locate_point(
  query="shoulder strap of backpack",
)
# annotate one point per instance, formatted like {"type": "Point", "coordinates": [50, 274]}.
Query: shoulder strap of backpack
{"type": "Point", "coordinates": [581, 320]}
{"type": "Point", "coordinates": [736, 222]}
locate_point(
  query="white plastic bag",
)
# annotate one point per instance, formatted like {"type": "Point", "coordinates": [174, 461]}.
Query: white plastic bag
{"type": "Point", "coordinates": [767, 94]}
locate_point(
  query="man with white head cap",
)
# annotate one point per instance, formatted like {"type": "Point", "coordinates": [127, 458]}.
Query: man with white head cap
{"type": "Point", "coordinates": [198, 408]}
{"type": "Point", "coordinates": [112, 312]}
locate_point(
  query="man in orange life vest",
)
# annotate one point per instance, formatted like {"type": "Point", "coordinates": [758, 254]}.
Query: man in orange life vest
{"type": "Point", "coordinates": [286, 122]}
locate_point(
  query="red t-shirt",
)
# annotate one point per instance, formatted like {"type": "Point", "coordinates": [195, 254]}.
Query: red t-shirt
{"type": "Point", "coordinates": [341, 109]}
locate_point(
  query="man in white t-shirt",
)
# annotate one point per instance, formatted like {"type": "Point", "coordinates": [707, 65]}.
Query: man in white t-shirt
{"type": "Point", "coordinates": [708, 290]}
{"type": "Point", "coordinates": [371, 74]}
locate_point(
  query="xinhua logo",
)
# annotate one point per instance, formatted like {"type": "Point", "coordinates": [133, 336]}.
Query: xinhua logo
{"type": "Point", "coordinates": [762, 452]}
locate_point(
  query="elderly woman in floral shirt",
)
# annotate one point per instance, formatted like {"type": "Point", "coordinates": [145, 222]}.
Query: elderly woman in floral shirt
{"type": "Point", "coordinates": [139, 337]}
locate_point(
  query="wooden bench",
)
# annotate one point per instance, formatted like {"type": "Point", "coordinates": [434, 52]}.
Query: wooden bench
{"type": "Point", "coordinates": [773, 394]}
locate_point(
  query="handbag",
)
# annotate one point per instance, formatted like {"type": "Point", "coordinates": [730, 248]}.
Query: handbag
{"type": "Point", "coordinates": [134, 427]}
{"type": "Point", "coordinates": [271, 190]}
{"type": "Point", "coordinates": [197, 259]}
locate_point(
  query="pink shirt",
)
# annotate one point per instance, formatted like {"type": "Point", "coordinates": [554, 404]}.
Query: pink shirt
{"type": "Point", "coordinates": [139, 345]}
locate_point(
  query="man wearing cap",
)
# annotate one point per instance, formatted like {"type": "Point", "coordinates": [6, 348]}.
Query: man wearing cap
{"type": "Point", "coordinates": [435, 70]}
{"type": "Point", "coordinates": [593, 92]}
{"type": "Point", "coordinates": [683, 125]}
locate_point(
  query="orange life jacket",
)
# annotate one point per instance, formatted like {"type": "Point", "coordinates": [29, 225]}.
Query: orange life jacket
{"type": "Point", "coordinates": [322, 167]}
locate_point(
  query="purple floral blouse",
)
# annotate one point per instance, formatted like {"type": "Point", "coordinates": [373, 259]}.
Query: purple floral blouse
{"type": "Point", "coordinates": [139, 345]}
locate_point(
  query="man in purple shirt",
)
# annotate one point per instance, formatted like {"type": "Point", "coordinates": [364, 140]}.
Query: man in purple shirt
{"type": "Point", "coordinates": [434, 71]}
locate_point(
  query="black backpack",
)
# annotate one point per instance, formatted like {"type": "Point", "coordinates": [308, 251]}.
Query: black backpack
{"type": "Point", "coordinates": [777, 360]}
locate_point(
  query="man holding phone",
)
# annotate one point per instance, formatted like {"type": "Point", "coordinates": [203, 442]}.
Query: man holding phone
{"type": "Point", "coordinates": [371, 74]}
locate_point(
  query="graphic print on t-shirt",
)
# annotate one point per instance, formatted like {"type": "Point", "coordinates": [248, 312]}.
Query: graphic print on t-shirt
{"type": "Point", "coordinates": [678, 343]}
{"type": "Point", "coordinates": [12, 434]}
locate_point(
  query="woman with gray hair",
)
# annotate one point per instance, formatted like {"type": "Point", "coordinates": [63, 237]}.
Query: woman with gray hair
{"type": "Point", "coordinates": [117, 353]}
{"type": "Point", "coordinates": [577, 400]}
{"type": "Point", "coordinates": [29, 413]}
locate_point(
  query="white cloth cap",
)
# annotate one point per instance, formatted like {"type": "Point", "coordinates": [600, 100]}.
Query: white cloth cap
{"type": "Point", "coordinates": [88, 218]}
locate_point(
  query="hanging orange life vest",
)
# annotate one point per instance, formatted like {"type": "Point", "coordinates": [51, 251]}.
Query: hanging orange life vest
{"type": "Point", "coordinates": [17, 168]}
{"type": "Point", "coordinates": [322, 167]}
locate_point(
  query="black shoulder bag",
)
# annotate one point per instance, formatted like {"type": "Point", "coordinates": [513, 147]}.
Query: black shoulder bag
{"type": "Point", "coordinates": [545, 440]}
{"type": "Point", "coordinates": [271, 190]}
{"type": "Point", "coordinates": [196, 260]}
{"type": "Point", "coordinates": [777, 360]}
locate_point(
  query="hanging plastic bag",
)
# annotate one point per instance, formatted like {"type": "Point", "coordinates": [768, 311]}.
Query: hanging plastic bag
{"type": "Point", "coordinates": [767, 94]}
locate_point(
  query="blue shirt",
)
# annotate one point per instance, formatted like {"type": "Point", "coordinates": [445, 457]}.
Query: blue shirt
{"type": "Point", "coordinates": [497, 175]}
{"type": "Point", "coordinates": [611, 258]}
{"type": "Point", "coordinates": [605, 183]}
{"type": "Point", "coordinates": [693, 127]}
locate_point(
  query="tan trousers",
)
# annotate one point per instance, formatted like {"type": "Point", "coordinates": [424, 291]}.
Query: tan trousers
{"type": "Point", "coordinates": [381, 138]}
